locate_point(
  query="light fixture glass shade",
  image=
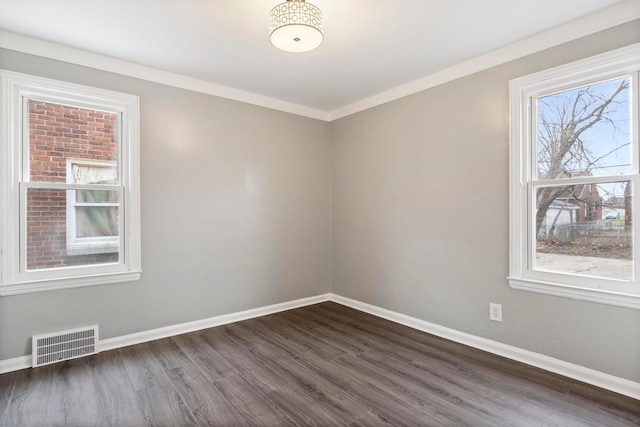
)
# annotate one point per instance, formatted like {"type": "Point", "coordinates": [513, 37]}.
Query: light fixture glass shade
{"type": "Point", "coordinates": [296, 26]}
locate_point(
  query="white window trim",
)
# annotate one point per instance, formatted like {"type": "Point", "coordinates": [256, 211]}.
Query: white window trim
{"type": "Point", "coordinates": [13, 279]}
{"type": "Point", "coordinates": [521, 201]}
{"type": "Point", "coordinates": [87, 246]}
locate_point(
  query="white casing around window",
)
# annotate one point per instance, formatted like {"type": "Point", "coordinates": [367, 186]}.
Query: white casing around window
{"type": "Point", "coordinates": [620, 62]}
{"type": "Point", "coordinates": [14, 89]}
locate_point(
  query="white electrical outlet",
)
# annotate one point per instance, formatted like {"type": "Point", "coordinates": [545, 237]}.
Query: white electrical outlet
{"type": "Point", "coordinates": [495, 312]}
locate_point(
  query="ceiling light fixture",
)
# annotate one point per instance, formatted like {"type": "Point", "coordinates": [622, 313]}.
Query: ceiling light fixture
{"type": "Point", "coordinates": [296, 26]}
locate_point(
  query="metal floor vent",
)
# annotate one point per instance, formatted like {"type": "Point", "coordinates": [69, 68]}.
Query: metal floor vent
{"type": "Point", "coordinates": [64, 345]}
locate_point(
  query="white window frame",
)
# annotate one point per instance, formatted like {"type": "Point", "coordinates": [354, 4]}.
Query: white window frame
{"type": "Point", "coordinates": [523, 92]}
{"type": "Point", "coordinates": [16, 89]}
{"type": "Point", "coordinates": [87, 245]}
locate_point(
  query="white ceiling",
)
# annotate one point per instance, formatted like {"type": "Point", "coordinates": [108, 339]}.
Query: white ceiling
{"type": "Point", "coordinates": [370, 47]}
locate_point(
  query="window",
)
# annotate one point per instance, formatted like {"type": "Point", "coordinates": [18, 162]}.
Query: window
{"type": "Point", "coordinates": [92, 215]}
{"type": "Point", "coordinates": [574, 178]}
{"type": "Point", "coordinates": [70, 185]}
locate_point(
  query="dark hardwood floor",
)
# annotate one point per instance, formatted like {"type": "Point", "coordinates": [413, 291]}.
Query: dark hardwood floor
{"type": "Point", "coordinates": [323, 365]}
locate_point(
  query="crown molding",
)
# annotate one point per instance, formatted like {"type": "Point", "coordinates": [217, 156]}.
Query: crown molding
{"type": "Point", "coordinates": [46, 49]}
{"type": "Point", "coordinates": [590, 24]}
{"type": "Point", "coordinates": [610, 17]}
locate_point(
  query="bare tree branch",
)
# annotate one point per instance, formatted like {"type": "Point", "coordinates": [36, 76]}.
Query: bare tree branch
{"type": "Point", "coordinates": [563, 121]}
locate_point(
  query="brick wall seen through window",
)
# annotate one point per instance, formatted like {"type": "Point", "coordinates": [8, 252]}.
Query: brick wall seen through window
{"type": "Point", "coordinates": [57, 133]}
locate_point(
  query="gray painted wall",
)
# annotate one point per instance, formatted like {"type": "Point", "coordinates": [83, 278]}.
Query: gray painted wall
{"type": "Point", "coordinates": [235, 214]}
{"type": "Point", "coordinates": [420, 218]}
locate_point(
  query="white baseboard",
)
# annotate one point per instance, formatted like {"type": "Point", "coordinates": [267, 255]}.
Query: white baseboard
{"type": "Point", "coordinates": [580, 373]}
{"type": "Point", "coordinates": [15, 364]}
{"type": "Point", "coordinates": [23, 362]}
{"type": "Point", "coordinates": [183, 328]}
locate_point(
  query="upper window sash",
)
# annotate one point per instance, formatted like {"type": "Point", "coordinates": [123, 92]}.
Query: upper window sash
{"type": "Point", "coordinates": [532, 122]}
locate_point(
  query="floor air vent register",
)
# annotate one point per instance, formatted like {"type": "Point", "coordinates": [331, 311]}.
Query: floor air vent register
{"type": "Point", "coordinates": [64, 345]}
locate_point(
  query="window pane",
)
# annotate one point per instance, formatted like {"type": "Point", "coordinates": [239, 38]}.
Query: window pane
{"type": "Point", "coordinates": [96, 221]}
{"type": "Point", "coordinates": [585, 131]}
{"type": "Point", "coordinates": [46, 239]}
{"type": "Point", "coordinates": [60, 132]}
{"type": "Point", "coordinates": [96, 196]}
{"type": "Point", "coordinates": [92, 174]}
{"type": "Point", "coordinates": [585, 230]}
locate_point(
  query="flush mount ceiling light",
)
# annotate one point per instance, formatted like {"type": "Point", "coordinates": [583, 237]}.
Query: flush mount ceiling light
{"type": "Point", "coordinates": [296, 26]}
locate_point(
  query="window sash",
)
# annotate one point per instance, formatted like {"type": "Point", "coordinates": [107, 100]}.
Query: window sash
{"type": "Point", "coordinates": [531, 121]}
{"type": "Point", "coordinates": [631, 286]}
{"type": "Point", "coordinates": [73, 242]}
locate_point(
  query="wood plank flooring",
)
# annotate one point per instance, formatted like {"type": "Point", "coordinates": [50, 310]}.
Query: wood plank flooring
{"type": "Point", "coordinates": [322, 365]}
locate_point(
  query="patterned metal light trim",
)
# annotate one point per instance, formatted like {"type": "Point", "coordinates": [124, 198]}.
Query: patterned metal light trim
{"type": "Point", "coordinates": [295, 13]}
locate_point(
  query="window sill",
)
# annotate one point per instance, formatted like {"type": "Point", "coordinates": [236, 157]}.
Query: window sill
{"type": "Point", "coordinates": [89, 250]}
{"type": "Point", "coordinates": [66, 283]}
{"type": "Point", "coordinates": [573, 292]}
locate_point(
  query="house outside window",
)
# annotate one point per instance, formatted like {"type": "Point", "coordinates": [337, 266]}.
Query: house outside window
{"type": "Point", "coordinates": [70, 185]}
{"type": "Point", "coordinates": [574, 178]}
